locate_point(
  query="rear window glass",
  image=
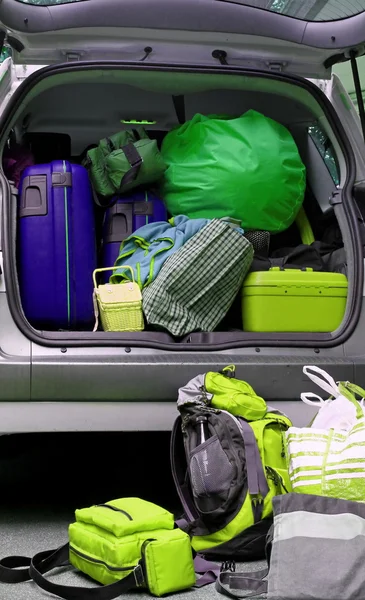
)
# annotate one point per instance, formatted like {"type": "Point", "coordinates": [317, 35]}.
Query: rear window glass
{"type": "Point", "coordinates": [48, 2]}
{"type": "Point", "coordinates": [325, 149]}
{"type": "Point", "coordinates": [310, 10]}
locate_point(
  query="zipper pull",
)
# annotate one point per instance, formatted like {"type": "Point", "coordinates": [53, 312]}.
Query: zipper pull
{"type": "Point", "coordinates": [276, 478]}
{"type": "Point", "coordinates": [256, 502]}
{"type": "Point", "coordinates": [283, 485]}
{"type": "Point", "coordinates": [204, 394]}
{"type": "Point", "coordinates": [271, 474]}
{"type": "Point", "coordinates": [283, 452]}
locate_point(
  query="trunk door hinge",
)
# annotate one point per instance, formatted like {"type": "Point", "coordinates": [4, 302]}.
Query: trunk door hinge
{"type": "Point", "coordinates": [336, 198]}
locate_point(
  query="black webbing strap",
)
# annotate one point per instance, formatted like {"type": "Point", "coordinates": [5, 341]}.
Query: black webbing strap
{"type": "Point", "coordinates": [135, 160]}
{"type": "Point", "coordinates": [11, 571]}
{"type": "Point", "coordinates": [109, 204]}
{"type": "Point", "coordinates": [245, 585]}
{"type": "Point", "coordinates": [43, 562]}
{"type": "Point", "coordinates": [242, 585]}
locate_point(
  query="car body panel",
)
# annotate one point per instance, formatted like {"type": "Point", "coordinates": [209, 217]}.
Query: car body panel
{"type": "Point", "coordinates": [111, 29]}
{"type": "Point", "coordinates": [135, 388]}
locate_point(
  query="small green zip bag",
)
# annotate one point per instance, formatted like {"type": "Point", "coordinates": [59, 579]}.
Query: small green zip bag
{"type": "Point", "coordinates": [123, 544]}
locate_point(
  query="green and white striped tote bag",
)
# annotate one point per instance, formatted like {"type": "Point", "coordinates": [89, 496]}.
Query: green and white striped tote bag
{"type": "Point", "coordinates": [328, 458]}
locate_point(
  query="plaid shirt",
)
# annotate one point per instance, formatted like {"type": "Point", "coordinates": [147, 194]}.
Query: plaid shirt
{"type": "Point", "coordinates": [197, 284]}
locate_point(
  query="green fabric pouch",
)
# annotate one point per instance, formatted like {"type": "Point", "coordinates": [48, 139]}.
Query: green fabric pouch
{"type": "Point", "coordinates": [124, 161]}
{"type": "Point", "coordinates": [234, 395]}
{"type": "Point", "coordinates": [123, 544]}
{"type": "Point", "coordinates": [119, 165]}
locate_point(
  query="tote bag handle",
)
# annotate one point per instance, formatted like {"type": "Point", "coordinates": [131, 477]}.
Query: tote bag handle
{"type": "Point", "coordinates": [328, 384]}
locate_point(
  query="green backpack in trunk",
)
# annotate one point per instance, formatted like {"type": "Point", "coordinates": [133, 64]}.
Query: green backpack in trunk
{"type": "Point", "coordinates": [228, 461]}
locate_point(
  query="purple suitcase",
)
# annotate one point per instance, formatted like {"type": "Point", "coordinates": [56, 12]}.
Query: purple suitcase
{"type": "Point", "coordinates": [56, 246]}
{"type": "Point", "coordinates": [127, 215]}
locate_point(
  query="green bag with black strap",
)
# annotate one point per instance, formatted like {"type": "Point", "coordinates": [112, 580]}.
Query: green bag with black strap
{"type": "Point", "coordinates": [124, 161]}
{"type": "Point", "coordinates": [123, 544]}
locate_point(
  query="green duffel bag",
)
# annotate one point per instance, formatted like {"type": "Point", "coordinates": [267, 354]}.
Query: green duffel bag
{"type": "Point", "coordinates": [124, 161]}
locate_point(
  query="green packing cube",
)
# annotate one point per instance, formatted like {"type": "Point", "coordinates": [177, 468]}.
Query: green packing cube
{"type": "Point", "coordinates": [123, 544]}
{"type": "Point", "coordinates": [247, 168]}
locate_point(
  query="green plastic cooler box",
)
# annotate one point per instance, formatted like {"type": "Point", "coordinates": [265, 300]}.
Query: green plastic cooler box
{"type": "Point", "coordinates": [292, 300]}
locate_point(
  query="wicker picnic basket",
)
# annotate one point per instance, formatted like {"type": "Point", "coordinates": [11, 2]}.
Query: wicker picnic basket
{"type": "Point", "coordinates": [118, 305]}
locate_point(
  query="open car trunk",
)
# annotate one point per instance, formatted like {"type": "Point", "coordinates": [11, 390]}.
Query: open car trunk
{"type": "Point", "coordinates": [93, 102]}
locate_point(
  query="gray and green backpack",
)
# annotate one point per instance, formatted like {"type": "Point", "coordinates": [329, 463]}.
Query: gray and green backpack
{"type": "Point", "coordinates": [228, 461]}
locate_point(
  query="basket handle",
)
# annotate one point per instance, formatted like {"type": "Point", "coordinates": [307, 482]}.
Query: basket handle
{"type": "Point", "coordinates": [112, 269]}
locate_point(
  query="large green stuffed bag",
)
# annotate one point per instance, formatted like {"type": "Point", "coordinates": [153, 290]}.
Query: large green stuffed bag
{"type": "Point", "coordinates": [247, 168]}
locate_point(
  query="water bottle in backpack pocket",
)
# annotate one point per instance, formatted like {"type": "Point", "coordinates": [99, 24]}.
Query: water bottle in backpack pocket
{"type": "Point", "coordinates": [215, 462]}
{"type": "Point", "coordinates": [211, 473]}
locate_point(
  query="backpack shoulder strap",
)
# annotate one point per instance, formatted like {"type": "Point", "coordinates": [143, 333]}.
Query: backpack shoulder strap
{"type": "Point", "coordinates": [208, 570]}
{"type": "Point", "coordinates": [179, 471]}
{"type": "Point", "coordinates": [256, 478]}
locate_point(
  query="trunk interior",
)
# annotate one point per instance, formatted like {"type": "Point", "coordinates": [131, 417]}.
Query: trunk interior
{"type": "Point", "coordinates": [92, 104]}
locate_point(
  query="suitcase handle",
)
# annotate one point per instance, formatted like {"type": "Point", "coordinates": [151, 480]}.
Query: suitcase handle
{"type": "Point", "coordinates": [112, 269]}
{"type": "Point", "coordinates": [119, 221]}
{"type": "Point", "coordinates": [119, 218]}
{"type": "Point", "coordinates": [33, 201]}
